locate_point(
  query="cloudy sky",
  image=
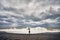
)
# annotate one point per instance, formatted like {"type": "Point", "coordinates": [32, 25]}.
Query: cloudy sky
{"type": "Point", "coordinates": [30, 13]}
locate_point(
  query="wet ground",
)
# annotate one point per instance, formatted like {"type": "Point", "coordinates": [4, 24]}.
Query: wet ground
{"type": "Point", "coordinates": [41, 36]}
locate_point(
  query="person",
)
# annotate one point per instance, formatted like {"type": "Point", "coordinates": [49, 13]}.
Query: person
{"type": "Point", "coordinates": [29, 30]}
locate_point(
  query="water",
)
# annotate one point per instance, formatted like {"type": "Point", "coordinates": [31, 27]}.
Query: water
{"type": "Point", "coordinates": [32, 30]}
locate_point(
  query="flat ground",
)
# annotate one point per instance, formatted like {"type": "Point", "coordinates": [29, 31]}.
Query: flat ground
{"type": "Point", "coordinates": [41, 36]}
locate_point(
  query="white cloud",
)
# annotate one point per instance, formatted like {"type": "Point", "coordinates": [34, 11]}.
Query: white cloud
{"type": "Point", "coordinates": [49, 21]}
{"type": "Point", "coordinates": [30, 12]}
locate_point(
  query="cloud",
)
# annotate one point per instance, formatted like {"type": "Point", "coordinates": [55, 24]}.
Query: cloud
{"type": "Point", "coordinates": [34, 13]}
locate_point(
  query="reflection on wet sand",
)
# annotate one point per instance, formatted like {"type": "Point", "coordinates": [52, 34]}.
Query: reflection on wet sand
{"type": "Point", "coordinates": [41, 36]}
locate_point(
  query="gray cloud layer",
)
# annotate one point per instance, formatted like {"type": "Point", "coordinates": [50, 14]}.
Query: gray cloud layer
{"type": "Point", "coordinates": [33, 13]}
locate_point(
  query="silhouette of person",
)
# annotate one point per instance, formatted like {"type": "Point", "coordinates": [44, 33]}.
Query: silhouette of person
{"type": "Point", "coordinates": [29, 30]}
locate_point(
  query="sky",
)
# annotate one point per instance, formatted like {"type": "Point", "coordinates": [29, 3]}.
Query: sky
{"type": "Point", "coordinates": [30, 13]}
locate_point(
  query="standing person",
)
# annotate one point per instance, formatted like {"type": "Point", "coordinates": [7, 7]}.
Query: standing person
{"type": "Point", "coordinates": [29, 30]}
